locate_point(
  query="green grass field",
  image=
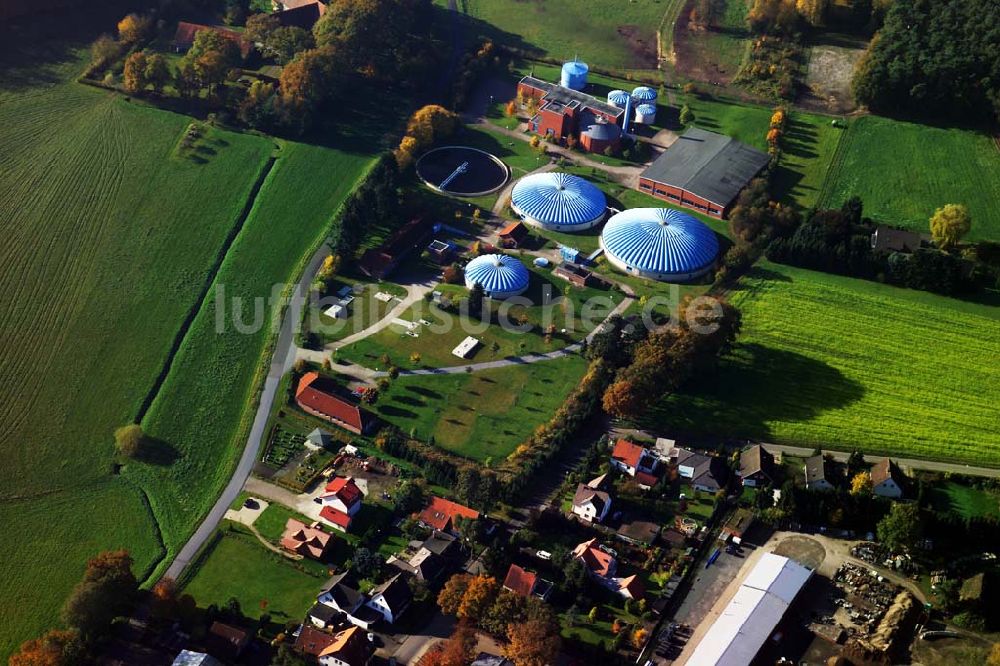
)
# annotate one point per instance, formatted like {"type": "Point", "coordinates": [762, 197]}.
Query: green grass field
{"type": "Point", "coordinates": [606, 33]}
{"type": "Point", "coordinates": [964, 501]}
{"type": "Point", "coordinates": [112, 238]}
{"type": "Point", "coordinates": [904, 171]}
{"type": "Point", "coordinates": [843, 363]}
{"type": "Point", "coordinates": [262, 581]}
{"type": "Point", "coordinates": [481, 415]}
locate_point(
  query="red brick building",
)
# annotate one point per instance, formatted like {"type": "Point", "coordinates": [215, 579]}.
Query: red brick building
{"type": "Point", "coordinates": [704, 171]}
{"type": "Point", "coordinates": [563, 112]}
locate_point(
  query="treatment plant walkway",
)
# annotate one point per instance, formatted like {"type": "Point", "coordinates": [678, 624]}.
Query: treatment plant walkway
{"type": "Point", "coordinates": [281, 362]}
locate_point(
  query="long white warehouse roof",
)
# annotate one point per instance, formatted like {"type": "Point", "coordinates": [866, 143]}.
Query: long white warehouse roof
{"type": "Point", "coordinates": [752, 614]}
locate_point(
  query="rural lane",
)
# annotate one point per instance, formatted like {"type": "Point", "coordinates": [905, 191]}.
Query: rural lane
{"type": "Point", "coordinates": [281, 361]}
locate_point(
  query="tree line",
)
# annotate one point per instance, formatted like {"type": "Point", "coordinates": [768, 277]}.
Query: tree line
{"type": "Point", "coordinates": [936, 59]}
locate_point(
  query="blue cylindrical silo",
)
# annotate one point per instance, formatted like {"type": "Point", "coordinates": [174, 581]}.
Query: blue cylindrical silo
{"type": "Point", "coordinates": [574, 75]}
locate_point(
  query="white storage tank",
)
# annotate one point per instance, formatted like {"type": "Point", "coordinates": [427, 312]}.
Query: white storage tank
{"type": "Point", "coordinates": [645, 114]}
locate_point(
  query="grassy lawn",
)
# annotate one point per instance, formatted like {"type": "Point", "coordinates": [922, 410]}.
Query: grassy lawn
{"type": "Point", "coordinates": [608, 33]}
{"type": "Point", "coordinates": [904, 171]}
{"type": "Point", "coordinates": [262, 581]}
{"type": "Point", "coordinates": [810, 143]}
{"type": "Point", "coordinates": [964, 501]}
{"type": "Point", "coordinates": [481, 415]}
{"type": "Point", "coordinates": [844, 363]}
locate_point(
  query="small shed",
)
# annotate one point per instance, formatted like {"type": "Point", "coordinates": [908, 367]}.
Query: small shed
{"type": "Point", "coordinates": [570, 254]}
{"type": "Point", "coordinates": [513, 235]}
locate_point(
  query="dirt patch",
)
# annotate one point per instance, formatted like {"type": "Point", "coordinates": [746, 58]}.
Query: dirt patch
{"type": "Point", "coordinates": [642, 43]}
{"type": "Point", "coordinates": [807, 552]}
{"type": "Point", "coordinates": [828, 80]}
{"type": "Point", "coordinates": [712, 55]}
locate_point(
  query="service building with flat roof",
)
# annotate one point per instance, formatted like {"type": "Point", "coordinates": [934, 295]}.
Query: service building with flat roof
{"type": "Point", "coordinates": [704, 171]}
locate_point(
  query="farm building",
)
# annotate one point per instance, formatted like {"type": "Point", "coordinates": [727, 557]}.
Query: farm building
{"type": "Point", "coordinates": [564, 112]}
{"type": "Point", "coordinates": [317, 395]}
{"type": "Point", "coordinates": [558, 202]}
{"type": "Point", "coordinates": [704, 171]}
{"type": "Point", "coordinates": [186, 33]}
{"type": "Point", "coordinates": [752, 614]}
{"type": "Point", "coordinates": [890, 239]}
{"type": "Point", "coordinates": [660, 244]}
{"type": "Point", "coordinates": [499, 275]}
{"type": "Point", "coordinates": [381, 261]}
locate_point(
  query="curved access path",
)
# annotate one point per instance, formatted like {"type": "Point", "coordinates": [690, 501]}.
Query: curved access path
{"type": "Point", "coordinates": [504, 195]}
{"type": "Point", "coordinates": [281, 362]}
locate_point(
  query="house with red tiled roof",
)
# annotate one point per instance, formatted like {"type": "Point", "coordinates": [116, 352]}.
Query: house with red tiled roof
{"type": "Point", "coordinates": [631, 587]}
{"type": "Point", "coordinates": [341, 500]}
{"type": "Point", "coordinates": [301, 15]}
{"type": "Point", "coordinates": [440, 514]}
{"type": "Point", "coordinates": [349, 647]}
{"type": "Point", "coordinates": [319, 396]}
{"type": "Point", "coordinates": [636, 461]}
{"type": "Point", "coordinates": [186, 33]}
{"type": "Point", "coordinates": [513, 235]}
{"type": "Point", "coordinates": [599, 563]}
{"type": "Point", "coordinates": [526, 583]}
{"type": "Point", "coordinates": [305, 540]}
{"type": "Point", "coordinates": [312, 641]}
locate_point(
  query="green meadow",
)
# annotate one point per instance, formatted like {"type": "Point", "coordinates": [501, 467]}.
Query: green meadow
{"type": "Point", "coordinates": [904, 171]}
{"type": "Point", "coordinates": [843, 363]}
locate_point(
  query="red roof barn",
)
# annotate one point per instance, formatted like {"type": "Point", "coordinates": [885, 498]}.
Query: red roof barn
{"type": "Point", "coordinates": [316, 395]}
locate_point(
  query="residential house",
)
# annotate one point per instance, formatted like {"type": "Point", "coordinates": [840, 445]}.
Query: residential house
{"type": "Point", "coordinates": [636, 461]}
{"type": "Point", "coordinates": [186, 33]}
{"type": "Point", "coordinates": [443, 545]}
{"type": "Point", "coordinates": [308, 541]}
{"type": "Point", "coordinates": [320, 396]}
{"type": "Point", "coordinates": [664, 449]}
{"type": "Point", "coordinates": [631, 587]}
{"type": "Point", "coordinates": [598, 562]}
{"type": "Point", "coordinates": [192, 658]}
{"type": "Point", "coordinates": [424, 564]}
{"type": "Point", "coordinates": [819, 475]}
{"type": "Point", "coordinates": [639, 532]}
{"type": "Point", "coordinates": [887, 479]}
{"type": "Point", "coordinates": [300, 13]}
{"type": "Point", "coordinates": [226, 641]}
{"type": "Point", "coordinates": [349, 647]}
{"type": "Point", "coordinates": [706, 473]}
{"type": "Point", "coordinates": [526, 583]}
{"type": "Point", "coordinates": [591, 504]}
{"type": "Point", "coordinates": [312, 641]}
{"type": "Point", "coordinates": [757, 467]}
{"type": "Point", "coordinates": [341, 593]}
{"type": "Point", "coordinates": [323, 616]}
{"type": "Point", "coordinates": [391, 598]}
{"type": "Point", "coordinates": [513, 235]}
{"type": "Point", "coordinates": [440, 514]}
{"type": "Point", "coordinates": [888, 239]}
{"type": "Point", "coordinates": [341, 502]}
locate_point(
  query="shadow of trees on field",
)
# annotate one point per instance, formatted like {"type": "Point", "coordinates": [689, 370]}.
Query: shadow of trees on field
{"type": "Point", "coordinates": [754, 386]}
{"type": "Point", "coordinates": [155, 451]}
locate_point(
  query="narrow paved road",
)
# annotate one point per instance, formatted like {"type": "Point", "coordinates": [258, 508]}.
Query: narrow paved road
{"type": "Point", "coordinates": [281, 362]}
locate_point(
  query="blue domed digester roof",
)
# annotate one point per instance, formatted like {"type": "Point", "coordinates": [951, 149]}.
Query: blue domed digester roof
{"type": "Point", "coordinates": [558, 201]}
{"type": "Point", "coordinates": [646, 110]}
{"type": "Point", "coordinates": [500, 275]}
{"type": "Point", "coordinates": [618, 98]}
{"type": "Point", "coordinates": [643, 94]}
{"type": "Point", "coordinates": [661, 243]}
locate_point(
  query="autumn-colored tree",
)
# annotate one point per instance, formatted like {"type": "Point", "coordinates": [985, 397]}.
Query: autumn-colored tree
{"type": "Point", "coordinates": [134, 27]}
{"type": "Point", "coordinates": [186, 79]}
{"type": "Point", "coordinates": [622, 399]}
{"type": "Point", "coordinates": [510, 109]}
{"type": "Point", "coordinates": [134, 73]}
{"type": "Point", "coordinates": [211, 68]}
{"type": "Point", "coordinates": [106, 591]}
{"type": "Point", "coordinates": [104, 50]}
{"type": "Point", "coordinates": [687, 115]}
{"type": "Point", "coordinates": [532, 643]}
{"type": "Point", "coordinates": [639, 637]}
{"type": "Point", "coordinates": [993, 659]}
{"type": "Point", "coordinates": [129, 440]}
{"type": "Point", "coordinates": [593, 614]}
{"type": "Point", "coordinates": [450, 597]}
{"type": "Point", "coordinates": [948, 224]}
{"type": "Point", "coordinates": [861, 484]}
{"type": "Point", "coordinates": [778, 118]}
{"type": "Point", "coordinates": [57, 647]}
{"type": "Point", "coordinates": [415, 358]}
{"type": "Point", "coordinates": [479, 595]}
{"type": "Point", "coordinates": [812, 11]}
{"type": "Point", "coordinates": [773, 135]}
{"type": "Point", "coordinates": [616, 626]}
{"type": "Point", "coordinates": [157, 71]}
{"type": "Point", "coordinates": [430, 124]}
{"type": "Point", "coordinates": [163, 599]}
{"type": "Point", "coordinates": [459, 649]}
{"type": "Point", "coordinates": [406, 153]}
{"type": "Point", "coordinates": [260, 26]}
{"type": "Point", "coordinates": [452, 275]}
